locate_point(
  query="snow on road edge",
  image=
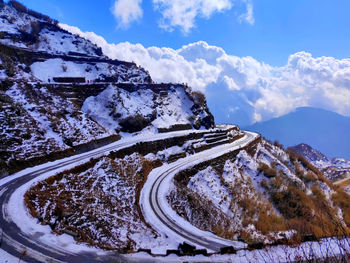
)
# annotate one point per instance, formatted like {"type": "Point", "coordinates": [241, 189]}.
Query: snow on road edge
{"type": "Point", "coordinates": [190, 161]}
{"type": "Point", "coordinates": [19, 214]}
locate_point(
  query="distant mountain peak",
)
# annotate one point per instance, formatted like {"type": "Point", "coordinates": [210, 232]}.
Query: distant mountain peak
{"type": "Point", "coordinates": [323, 130]}
{"type": "Point", "coordinates": [314, 156]}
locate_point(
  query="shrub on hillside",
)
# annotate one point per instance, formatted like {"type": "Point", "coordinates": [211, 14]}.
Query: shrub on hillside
{"type": "Point", "coordinates": [21, 8]}
{"type": "Point", "coordinates": [18, 6]}
{"type": "Point", "coordinates": [8, 65]}
{"type": "Point", "coordinates": [134, 123]}
{"type": "Point", "coordinates": [294, 157]}
{"type": "Point", "coordinates": [342, 199]}
{"type": "Point", "coordinates": [199, 98]}
{"type": "Point", "coordinates": [268, 171]}
{"type": "Point", "coordinates": [36, 28]}
{"type": "Point", "coordinates": [277, 144]}
{"type": "Point", "coordinates": [293, 203]}
{"type": "Point", "coordinates": [308, 213]}
{"type": "Point", "coordinates": [42, 16]}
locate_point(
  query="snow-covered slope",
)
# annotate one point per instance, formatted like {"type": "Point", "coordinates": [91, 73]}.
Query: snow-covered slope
{"type": "Point", "coordinates": [21, 28]}
{"type": "Point", "coordinates": [102, 207]}
{"type": "Point", "coordinates": [35, 122]}
{"type": "Point", "coordinates": [57, 91]}
{"type": "Point", "coordinates": [333, 169]}
{"type": "Point", "coordinates": [116, 108]}
{"type": "Point", "coordinates": [261, 194]}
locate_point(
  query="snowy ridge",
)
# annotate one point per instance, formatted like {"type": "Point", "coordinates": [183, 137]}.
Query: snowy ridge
{"type": "Point", "coordinates": [333, 168]}
{"type": "Point", "coordinates": [17, 26]}
{"type": "Point", "coordinates": [317, 158]}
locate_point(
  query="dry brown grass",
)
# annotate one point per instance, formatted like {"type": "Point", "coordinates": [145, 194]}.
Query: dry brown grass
{"type": "Point", "coordinates": [344, 183]}
{"type": "Point", "coordinates": [267, 170]}
{"type": "Point", "coordinates": [77, 199]}
{"type": "Point", "coordinates": [307, 214]}
{"type": "Point", "coordinates": [342, 199]}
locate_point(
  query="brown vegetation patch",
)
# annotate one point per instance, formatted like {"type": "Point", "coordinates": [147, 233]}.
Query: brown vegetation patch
{"type": "Point", "coordinates": [295, 196]}
{"type": "Point", "coordinates": [96, 202]}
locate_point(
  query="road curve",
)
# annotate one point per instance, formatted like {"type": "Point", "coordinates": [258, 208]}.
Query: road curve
{"type": "Point", "coordinates": [158, 212]}
{"type": "Point", "coordinates": [15, 242]}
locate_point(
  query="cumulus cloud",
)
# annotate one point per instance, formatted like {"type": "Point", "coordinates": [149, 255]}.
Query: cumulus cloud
{"type": "Point", "coordinates": [249, 15]}
{"type": "Point", "coordinates": [127, 11]}
{"type": "Point", "coordinates": [177, 13]}
{"type": "Point", "coordinates": [241, 89]}
{"type": "Point", "coordinates": [182, 13]}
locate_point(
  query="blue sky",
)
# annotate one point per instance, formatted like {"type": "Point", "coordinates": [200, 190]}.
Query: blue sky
{"type": "Point", "coordinates": [281, 28]}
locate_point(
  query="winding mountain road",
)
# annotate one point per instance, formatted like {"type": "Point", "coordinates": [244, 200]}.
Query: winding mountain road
{"type": "Point", "coordinates": [156, 209]}
{"type": "Point", "coordinates": [31, 247]}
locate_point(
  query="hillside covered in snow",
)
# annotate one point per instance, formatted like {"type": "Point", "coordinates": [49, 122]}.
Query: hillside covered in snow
{"type": "Point", "coordinates": [260, 195]}
{"type": "Point", "coordinates": [333, 168]}
{"type": "Point", "coordinates": [60, 95]}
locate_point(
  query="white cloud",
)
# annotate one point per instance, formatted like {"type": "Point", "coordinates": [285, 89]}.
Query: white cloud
{"type": "Point", "coordinates": [127, 11]}
{"type": "Point", "coordinates": [178, 13]}
{"type": "Point", "coordinates": [255, 90]}
{"type": "Point", "coordinates": [248, 17]}
{"type": "Point", "coordinates": [182, 13]}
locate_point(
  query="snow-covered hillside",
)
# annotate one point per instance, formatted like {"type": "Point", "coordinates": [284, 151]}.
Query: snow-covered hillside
{"type": "Point", "coordinates": [59, 95]}
{"type": "Point", "coordinates": [98, 202]}
{"type": "Point", "coordinates": [116, 108]}
{"type": "Point", "coordinates": [102, 211]}
{"type": "Point", "coordinates": [262, 194]}
{"type": "Point", "coordinates": [333, 168]}
{"type": "Point", "coordinates": [59, 91]}
{"type": "Point", "coordinates": [23, 29]}
{"type": "Point", "coordinates": [259, 194]}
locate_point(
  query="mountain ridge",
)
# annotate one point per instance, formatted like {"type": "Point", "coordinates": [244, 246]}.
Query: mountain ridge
{"type": "Point", "coordinates": [333, 168]}
{"type": "Point", "coordinates": [324, 130]}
